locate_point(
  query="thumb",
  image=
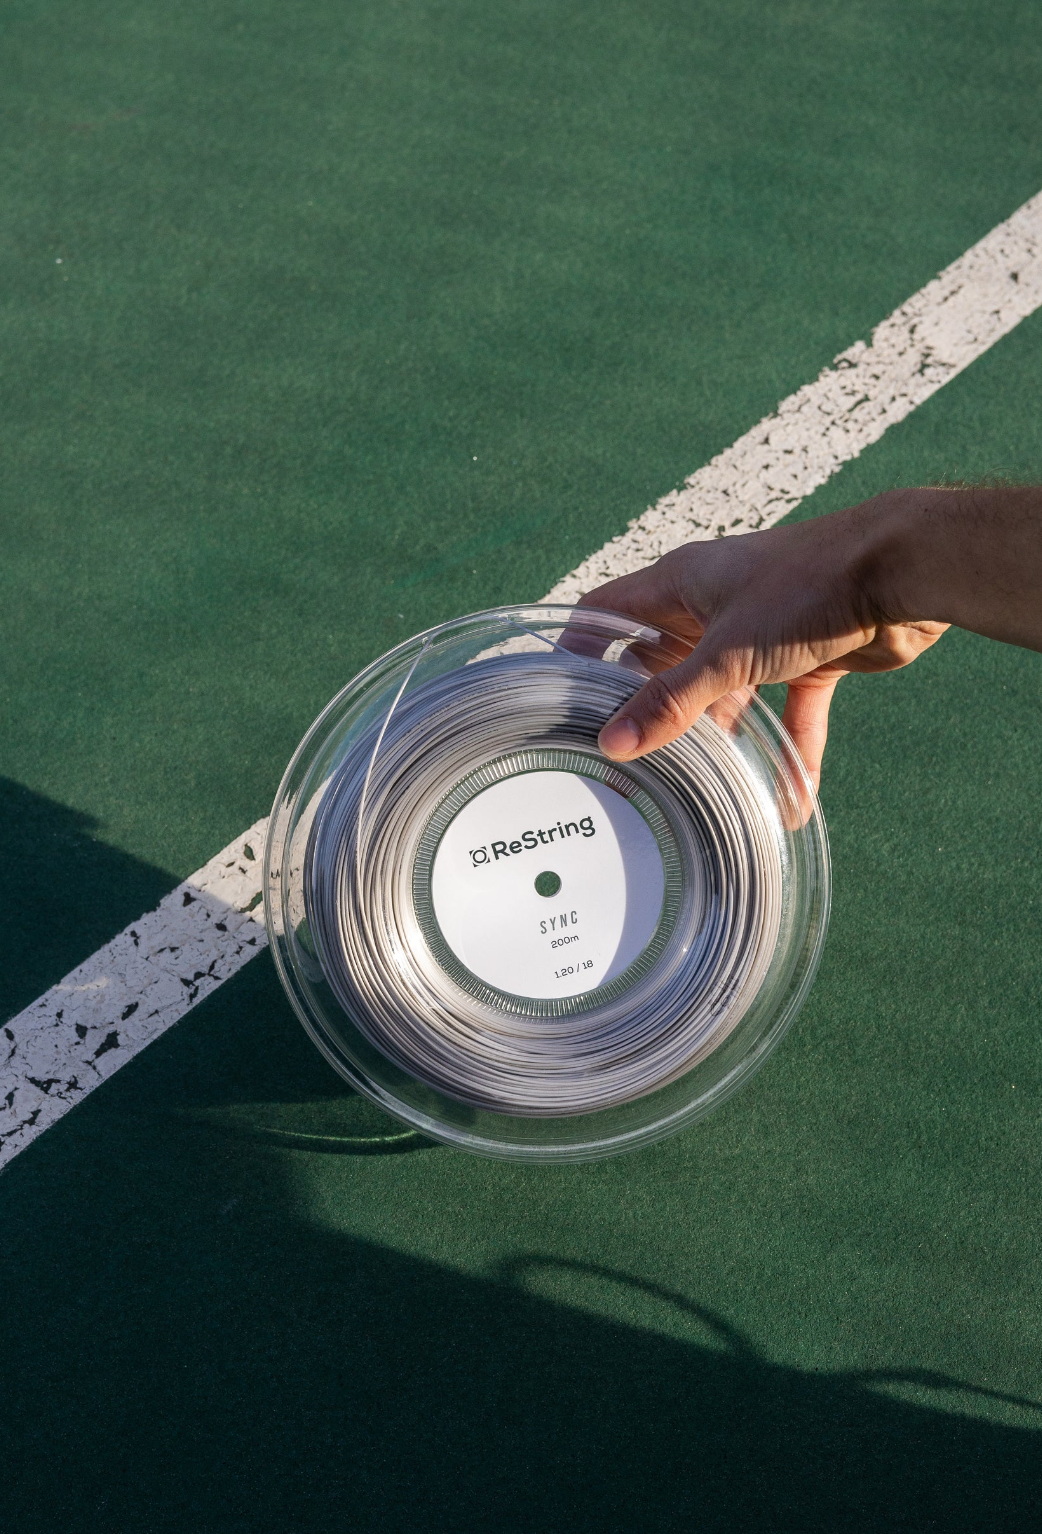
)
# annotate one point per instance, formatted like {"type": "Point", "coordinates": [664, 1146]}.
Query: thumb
{"type": "Point", "coordinates": [806, 715]}
{"type": "Point", "coordinates": [670, 702]}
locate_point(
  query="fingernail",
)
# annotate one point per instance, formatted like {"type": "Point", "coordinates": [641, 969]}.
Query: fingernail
{"type": "Point", "coordinates": [620, 737]}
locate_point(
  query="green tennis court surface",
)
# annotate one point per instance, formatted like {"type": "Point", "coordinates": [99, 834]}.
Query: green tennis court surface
{"type": "Point", "coordinates": [321, 324]}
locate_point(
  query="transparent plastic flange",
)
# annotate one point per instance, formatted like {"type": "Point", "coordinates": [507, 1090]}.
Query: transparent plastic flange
{"type": "Point", "coordinates": [374, 926]}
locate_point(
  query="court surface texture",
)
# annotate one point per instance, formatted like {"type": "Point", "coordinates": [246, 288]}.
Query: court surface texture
{"type": "Point", "coordinates": [324, 323]}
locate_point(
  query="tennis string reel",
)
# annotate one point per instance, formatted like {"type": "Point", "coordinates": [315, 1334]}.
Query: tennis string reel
{"type": "Point", "coordinates": [508, 941]}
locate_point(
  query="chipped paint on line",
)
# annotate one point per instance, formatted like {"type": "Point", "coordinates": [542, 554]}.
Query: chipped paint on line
{"type": "Point", "coordinates": [104, 1013]}
{"type": "Point", "coordinates": [913, 353]}
{"type": "Point", "coordinates": [137, 986]}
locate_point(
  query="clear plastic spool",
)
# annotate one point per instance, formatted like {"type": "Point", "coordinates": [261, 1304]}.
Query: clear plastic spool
{"type": "Point", "coordinates": [514, 945]}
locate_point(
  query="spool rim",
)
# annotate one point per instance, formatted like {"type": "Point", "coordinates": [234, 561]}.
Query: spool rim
{"type": "Point", "coordinates": [593, 1134]}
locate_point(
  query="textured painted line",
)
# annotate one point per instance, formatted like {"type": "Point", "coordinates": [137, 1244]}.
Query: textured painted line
{"type": "Point", "coordinates": [912, 354]}
{"type": "Point", "coordinates": [102, 1014]}
{"type": "Point", "coordinates": [148, 977]}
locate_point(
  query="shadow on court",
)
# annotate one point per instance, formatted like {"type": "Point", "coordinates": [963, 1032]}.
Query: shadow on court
{"type": "Point", "coordinates": [218, 1367]}
{"type": "Point", "coordinates": [180, 1351]}
{"type": "Point", "coordinates": [68, 893]}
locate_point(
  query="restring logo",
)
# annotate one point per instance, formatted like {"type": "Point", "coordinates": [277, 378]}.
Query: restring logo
{"type": "Point", "coordinates": [528, 841]}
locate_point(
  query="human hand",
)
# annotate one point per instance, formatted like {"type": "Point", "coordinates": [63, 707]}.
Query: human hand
{"type": "Point", "coordinates": [798, 604]}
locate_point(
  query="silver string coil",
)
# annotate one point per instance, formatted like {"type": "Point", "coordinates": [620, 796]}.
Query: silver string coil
{"type": "Point", "coordinates": [365, 880]}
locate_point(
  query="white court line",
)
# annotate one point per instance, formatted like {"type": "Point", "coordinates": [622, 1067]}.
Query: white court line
{"type": "Point", "coordinates": [102, 1014]}
{"type": "Point", "coordinates": [765, 474]}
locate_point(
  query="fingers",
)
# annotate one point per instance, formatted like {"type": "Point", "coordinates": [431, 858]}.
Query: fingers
{"type": "Point", "coordinates": [806, 717]}
{"type": "Point", "coordinates": [650, 596]}
{"type": "Point", "coordinates": [669, 704]}
{"type": "Point", "coordinates": [587, 633]}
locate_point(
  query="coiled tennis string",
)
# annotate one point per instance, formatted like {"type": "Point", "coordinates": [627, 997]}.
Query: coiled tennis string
{"type": "Point", "coordinates": [692, 856]}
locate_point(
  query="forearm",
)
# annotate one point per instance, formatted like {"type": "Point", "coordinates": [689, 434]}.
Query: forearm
{"type": "Point", "coordinates": [865, 589]}
{"type": "Point", "coordinates": [969, 557]}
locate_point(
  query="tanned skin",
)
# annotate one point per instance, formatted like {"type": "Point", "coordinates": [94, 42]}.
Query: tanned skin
{"type": "Point", "coordinates": [866, 589]}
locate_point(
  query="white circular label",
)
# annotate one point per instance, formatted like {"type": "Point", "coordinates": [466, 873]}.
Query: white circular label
{"type": "Point", "coordinates": [547, 884]}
